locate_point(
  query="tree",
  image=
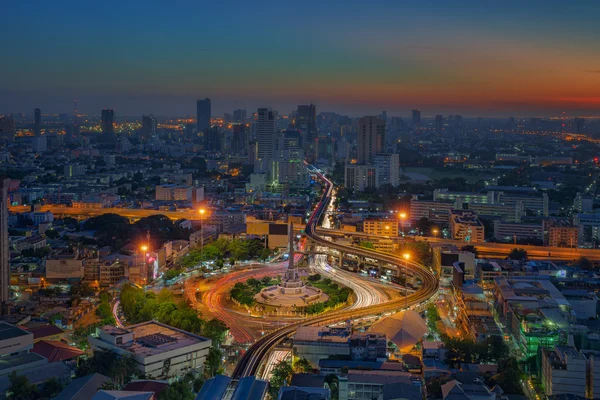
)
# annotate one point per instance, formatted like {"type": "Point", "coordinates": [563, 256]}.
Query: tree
{"type": "Point", "coordinates": [314, 278]}
{"type": "Point", "coordinates": [424, 226]}
{"type": "Point", "coordinates": [120, 369]}
{"type": "Point", "coordinates": [178, 390]}
{"type": "Point", "coordinates": [281, 375]}
{"type": "Point", "coordinates": [303, 366]}
{"type": "Point", "coordinates": [518, 254]}
{"type": "Point", "coordinates": [198, 383]}
{"type": "Point", "coordinates": [216, 330]}
{"type": "Point", "coordinates": [334, 385]}
{"type": "Point", "coordinates": [214, 362]}
{"type": "Point", "coordinates": [471, 249]}
{"type": "Point", "coordinates": [585, 264]}
{"type": "Point", "coordinates": [51, 388]}
{"type": "Point", "coordinates": [21, 388]}
{"type": "Point", "coordinates": [367, 245]}
{"type": "Point", "coordinates": [509, 377]}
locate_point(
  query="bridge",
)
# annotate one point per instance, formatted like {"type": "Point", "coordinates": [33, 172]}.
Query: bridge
{"type": "Point", "coordinates": [253, 358]}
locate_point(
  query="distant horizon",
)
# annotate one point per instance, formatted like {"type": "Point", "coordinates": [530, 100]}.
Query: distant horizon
{"type": "Point", "coordinates": [466, 57]}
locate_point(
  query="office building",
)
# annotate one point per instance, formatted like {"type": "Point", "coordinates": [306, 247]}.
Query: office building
{"type": "Point", "coordinates": [239, 140]}
{"type": "Point", "coordinates": [511, 231]}
{"type": "Point", "coordinates": [7, 127]}
{"type": "Point", "coordinates": [148, 126]}
{"type": "Point", "coordinates": [380, 227]}
{"type": "Point", "coordinates": [567, 371]}
{"type": "Point", "coordinates": [160, 350]}
{"type": "Point", "coordinates": [388, 169]}
{"type": "Point", "coordinates": [107, 124]}
{"type": "Point", "coordinates": [306, 122]}
{"type": "Point", "coordinates": [439, 123]}
{"type": "Point", "coordinates": [4, 244]}
{"type": "Point", "coordinates": [464, 197]}
{"type": "Point", "coordinates": [416, 117]}
{"type": "Point", "coordinates": [239, 116]}
{"type": "Point", "coordinates": [72, 170]}
{"type": "Point", "coordinates": [381, 385]}
{"type": "Point", "coordinates": [265, 138]}
{"type": "Point", "coordinates": [360, 177]}
{"type": "Point", "coordinates": [179, 193]}
{"type": "Point", "coordinates": [466, 226]}
{"type": "Point", "coordinates": [37, 122]}
{"type": "Point", "coordinates": [203, 114]}
{"type": "Point", "coordinates": [371, 138]}
{"type": "Point", "coordinates": [213, 139]}
{"type": "Point", "coordinates": [563, 236]}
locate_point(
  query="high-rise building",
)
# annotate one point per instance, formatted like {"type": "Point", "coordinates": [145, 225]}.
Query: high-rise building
{"type": "Point", "coordinates": [7, 127]}
{"type": "Point", "coordinates": [388, 169]}
{"type": "Point", "coordinates": [4, 244]}
{"type": "Point", "coordinates": [306, 122]}
{"type": "Point", "coordinates": [239, 116]}
{"type": "Point", "coordinates": [265, 133]}
{"type": "Point", "coordinates": [37, 116]}
{"type": "Point", "coordinates": [203, 114]}
{"type": "Point", "coordinates": [416, 117]}
{"type": "Point", "coordinates": [439, 122]}
{"type": "Point", "coordinates": [371, 138]}
{"type": "Point", "coordinates": [239, 140]}
{"type": "Point", "coordinates": [213, 139]}
{"type": "Point", "coordinates": [148, 126]}
{"type": "Point", "coordinates": [107, 123]}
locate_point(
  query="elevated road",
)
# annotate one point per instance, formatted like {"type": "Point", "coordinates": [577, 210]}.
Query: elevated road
{"type": "Point", "coordinates": [485, 249]}
{"type": "Point", "coordinates": [253, 358]}
{"type": "Point", "coordinates": [132, 213]}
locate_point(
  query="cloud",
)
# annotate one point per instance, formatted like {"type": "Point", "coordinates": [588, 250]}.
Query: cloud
{"type": "Point", "coordinates": [593, 71]}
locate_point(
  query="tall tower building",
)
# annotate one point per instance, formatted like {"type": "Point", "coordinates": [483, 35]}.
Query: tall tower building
{"type": "Point", "coordinates": [203, 114]}
{"type": "Point", "coordinates": [371, 138]}
{"type": "Point", "coordinates": [37, 116]}
{"type": "Point", "coordinates": [239, 140]}
{"type": "Point", "coordinates": [416, 117]}
{"type": "Point", "coordinates": [107, 123]}
{"type": "Point", "coordinates": [439, 122]}
{"type": "Point", "coordinates": [239, 116]}
{"type": "Point", "coordinates": [265, 133]}
{"type": "Point", "coordinates": [213, 139]}
{"type": "Point", "coordinates": [7, 128]}
{"type": "Point", "coordinates": [306, 122]}
{"type": "Point", "coordinates": [148, 126]}
{"type": "Point", "coordinates": [4, 244]}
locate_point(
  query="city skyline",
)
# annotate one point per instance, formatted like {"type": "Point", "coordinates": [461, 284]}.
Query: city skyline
{"type": "Point", "coordinates": [534, 59]}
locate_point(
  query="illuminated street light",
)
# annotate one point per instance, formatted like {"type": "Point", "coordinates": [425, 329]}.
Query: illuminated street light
{"type": "Point", "coordinates": [435, 232]}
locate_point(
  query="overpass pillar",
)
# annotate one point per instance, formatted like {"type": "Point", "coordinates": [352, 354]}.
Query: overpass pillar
{"type": "Point", "coordinates": [342, 255]}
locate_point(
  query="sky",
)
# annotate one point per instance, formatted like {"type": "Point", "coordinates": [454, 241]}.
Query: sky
{"type": "Point", "coordinates": [483, 57]}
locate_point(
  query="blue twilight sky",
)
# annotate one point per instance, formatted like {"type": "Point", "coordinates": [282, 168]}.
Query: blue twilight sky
{"type": "Point", "coordinates": [356, 57]}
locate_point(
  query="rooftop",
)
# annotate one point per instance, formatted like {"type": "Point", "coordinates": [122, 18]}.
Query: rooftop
{"type": "Point", "coordinates": [8, 331]}
{"type": "Point", "coordinates": [152, 338]}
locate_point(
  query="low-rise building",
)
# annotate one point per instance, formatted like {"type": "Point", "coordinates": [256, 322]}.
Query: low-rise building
{"type": "Point", "coordinates": [380, 227]}
{"type": "Point", "coordinates": [160, 350]}
{"type": "Point", "coordinates": [565, 370]}
{"type": "Point", "coordinates": [466, 226]}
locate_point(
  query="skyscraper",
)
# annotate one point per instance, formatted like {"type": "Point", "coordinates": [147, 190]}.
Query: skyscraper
{"type": "Point", "coordinates": [107, 123]}
{"type": "Point", "coordinates": [148, 126]}
{"type": "Point", "coordinates": [7, 128]}
{"type": "Point", "coordinates": [371, 138]}
{"type": "Point", "coordinates": [203, 114]}
{"type": "Point", "coordinates": [416, 117]}
{"type": "Point", "coordinates": [306, 122]}
{"type": "Point", "coordinates": [265, 133]}
{"type": "Point", "coordinates": [239, 140]}
{"type": "Point", "coordinates": [212, 139]}
{"type": "Point", "coordinates": [4, 244]}
{"type": "Point", "coordinates": [37, 115]}
{"type": "Point", "coordinates": [439, 122]}
{"type": "Point", "coordinates": [239, 116]}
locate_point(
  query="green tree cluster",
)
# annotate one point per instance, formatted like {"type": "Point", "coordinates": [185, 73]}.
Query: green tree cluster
{"type": "Point", "coordinates": [336, 295]}
{"type": "Point", "coordinates": [433, 317]}
{"type": "Point", "coordinates": [104, 310]}
{"type": "Point", "coordinates": [178, 390]}
{"type": "Point", "coordinates": [120, 369]}
{"type": "Point", "coordinates": [139, 306]}
{"type": "Point", "coordinates": [280, 376]}
{"type": "Point", "coordinates": [420, 252]}
{"type": "Point", "coordinates": [518, 254]}
{"type": "Point", "coordinates": [459, 351]}
{"type": "Point", "coordinates": [115, 231]}
{"type": "Point", "coordinates": [244, 293]}
{"type": "Point", "coordinates": [222, 249]}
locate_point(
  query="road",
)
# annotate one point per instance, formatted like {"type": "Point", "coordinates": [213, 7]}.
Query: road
{"type": "Point", "coordinates": [487, 249]}
{"type": "Point", "coordinates": [133, 213]}
{"type": "Point", "coordinates": [256, 355]}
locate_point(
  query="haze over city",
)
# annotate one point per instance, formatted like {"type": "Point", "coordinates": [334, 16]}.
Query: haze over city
{"type": "Point", "coordinates": [533, 58]}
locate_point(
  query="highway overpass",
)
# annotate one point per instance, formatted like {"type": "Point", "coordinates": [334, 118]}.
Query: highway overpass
{"type": "Point", "coordinates": [131, 213]}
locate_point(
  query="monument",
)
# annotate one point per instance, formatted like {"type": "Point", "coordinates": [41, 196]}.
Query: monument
{"type": "Point", "coordinates": [292, 291]}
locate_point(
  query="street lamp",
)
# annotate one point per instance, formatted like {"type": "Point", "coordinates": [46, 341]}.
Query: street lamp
{"type": "Point", "coordinates": [143, 265]}
{"type": "Point", "coordinates": [402, 217]}
{"type": "Point", "coordinates": [202, 211]}
{"type": "Point", "coordinates": [406, 258]}
{"type": "Point", "coordinates": [435, 232]}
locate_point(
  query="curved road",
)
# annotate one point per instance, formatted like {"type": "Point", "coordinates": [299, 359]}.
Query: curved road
{"type": "Point", "coordinates": [253, 358]}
